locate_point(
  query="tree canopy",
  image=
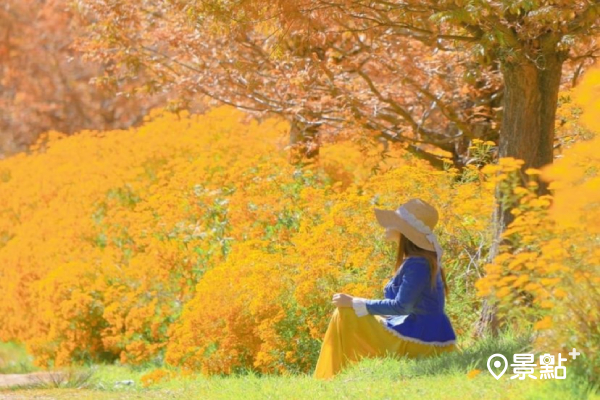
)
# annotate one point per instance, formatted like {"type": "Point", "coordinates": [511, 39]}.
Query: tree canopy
{"type": "Point", "coordinates": [423, 72]}
{"type": "Point", "coordinates": [44, 83]}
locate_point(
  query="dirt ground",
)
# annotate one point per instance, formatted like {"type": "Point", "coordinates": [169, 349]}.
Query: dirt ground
{"type": "Point", "coordinates": [34, 378]}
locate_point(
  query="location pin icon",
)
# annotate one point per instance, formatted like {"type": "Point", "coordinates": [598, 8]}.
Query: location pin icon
{"type": "Point", "coordinates": [497, 364]}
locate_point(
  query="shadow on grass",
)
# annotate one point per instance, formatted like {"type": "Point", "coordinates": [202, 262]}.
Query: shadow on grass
{"type": "Point", "coordinates": [473, 356]}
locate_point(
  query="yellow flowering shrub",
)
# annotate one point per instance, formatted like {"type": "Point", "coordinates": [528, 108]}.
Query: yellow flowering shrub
{"type": "Point", "coordinates": [268, 307]}
{"type": "Point", "coordinates": [548, 269]}
{"type": "Point", "coordinates": [107, 233]}
{"type": "Point", "coordinates": [193, 240]}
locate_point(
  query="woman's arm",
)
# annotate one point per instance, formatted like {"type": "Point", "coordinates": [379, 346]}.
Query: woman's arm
{"type": "Point", "coordinates": [414, 281]}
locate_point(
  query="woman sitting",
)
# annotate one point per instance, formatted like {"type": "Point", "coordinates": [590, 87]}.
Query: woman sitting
{"type": "Point", "coordinates": [410, 321]}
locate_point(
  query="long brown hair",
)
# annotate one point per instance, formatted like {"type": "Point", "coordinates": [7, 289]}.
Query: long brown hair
{"type": "Point", "coordinates": [406, 248]}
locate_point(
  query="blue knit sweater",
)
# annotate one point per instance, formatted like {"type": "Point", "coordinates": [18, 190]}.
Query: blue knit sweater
{"type": "Point", "coordinates": [413, 310]}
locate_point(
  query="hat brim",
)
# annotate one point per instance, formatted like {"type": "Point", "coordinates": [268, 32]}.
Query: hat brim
{"type": "Point", "coordinates": [390, 219]}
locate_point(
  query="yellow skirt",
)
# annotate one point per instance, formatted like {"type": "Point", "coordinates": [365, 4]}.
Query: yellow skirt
{"type": "Point", "coordinates": [350, 338]}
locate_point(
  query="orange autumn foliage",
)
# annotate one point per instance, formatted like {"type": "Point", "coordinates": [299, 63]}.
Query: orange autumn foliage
{"type": "Point", "coordinates": [46, 84]}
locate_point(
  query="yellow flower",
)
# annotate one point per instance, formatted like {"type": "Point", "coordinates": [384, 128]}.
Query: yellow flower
{"type": "Point", "coordinates": [544, 323]}
{"type": "Point", "coordinates": [533, 171]}
{"type": "Point", "coordinates": [473, 373]}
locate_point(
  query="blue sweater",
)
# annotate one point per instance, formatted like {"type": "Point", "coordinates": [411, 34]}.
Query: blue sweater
{"type": "Point", "coordinates": [413, 310]}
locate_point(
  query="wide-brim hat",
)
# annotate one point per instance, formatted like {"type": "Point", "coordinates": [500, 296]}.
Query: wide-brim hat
{"type": "Point", "coordinates": [416, 220]}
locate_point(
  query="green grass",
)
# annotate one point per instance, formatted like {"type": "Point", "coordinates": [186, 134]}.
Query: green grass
{"type": "Point", "coordinates": [14, 359]}
{"type": "Point", "coordinates": [444, 377]}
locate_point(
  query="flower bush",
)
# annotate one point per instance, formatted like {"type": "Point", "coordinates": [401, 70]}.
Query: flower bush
{"type": "Point", "coordinates": [193, 241]}
{"type": "Point", "coordinates": [548, 270]}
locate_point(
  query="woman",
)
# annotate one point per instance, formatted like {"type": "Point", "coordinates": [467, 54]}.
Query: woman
{"type": "Point", "coordinates": [410, 321]}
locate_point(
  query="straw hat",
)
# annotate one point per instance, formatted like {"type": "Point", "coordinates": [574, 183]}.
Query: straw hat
{"type": "Point", "coordinates": [415, 219]}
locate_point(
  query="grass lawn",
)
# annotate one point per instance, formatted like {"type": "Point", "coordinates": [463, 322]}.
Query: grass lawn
{"type": "Point", "coordinates": [371, 379]}
{"type": "Point", "coordinates": [444, 377]}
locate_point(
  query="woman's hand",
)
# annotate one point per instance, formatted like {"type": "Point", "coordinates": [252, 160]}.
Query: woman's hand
{"type": "Point", "coordinates": [342, 300]}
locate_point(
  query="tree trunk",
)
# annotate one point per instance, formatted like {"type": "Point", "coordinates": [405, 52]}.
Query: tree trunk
{"type": "Point", "coordinates": [527, 133]}
{"type": "Point", "coordinates": [530, 100]}
{"type": "Point", "coordinates": [304, 142]}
